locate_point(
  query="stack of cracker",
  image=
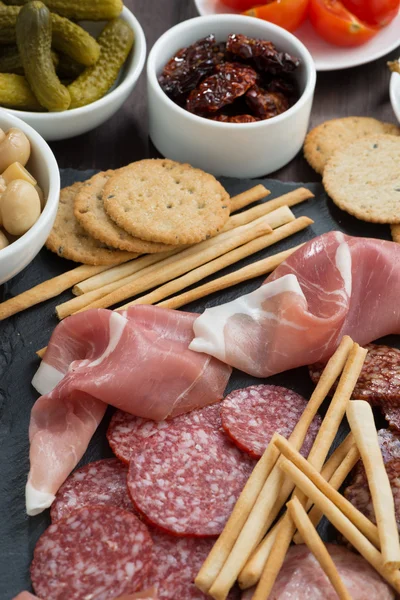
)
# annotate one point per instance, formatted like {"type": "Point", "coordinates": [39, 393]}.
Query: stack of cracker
{"type": "Point", "coordinates": [148, 207]}
{"type": "Point", "coordinates": [359, 158]}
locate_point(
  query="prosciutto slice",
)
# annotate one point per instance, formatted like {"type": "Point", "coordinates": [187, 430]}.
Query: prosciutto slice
{"type": "Point", "coordinates": [332, 286]}
{"type": "Point", "coordinates": [137, 361]}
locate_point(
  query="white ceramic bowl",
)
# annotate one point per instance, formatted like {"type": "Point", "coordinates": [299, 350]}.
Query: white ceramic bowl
{"type": "Point", "coordinates": [69, 123]}
{"type": "Point", "coordinates": [230, 149]}
{"type": "Point", "coordinates": [395, 94]}
{"type": "Point", "coordinates": [43, 167]}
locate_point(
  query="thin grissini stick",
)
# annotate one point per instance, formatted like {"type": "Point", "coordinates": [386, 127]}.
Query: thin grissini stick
{"type": "Point", "coordinates": [254, 566]}
{"type": "Point", "coordinates": [316, 458]}
{"type": "Point", "coordinates": [48, 289]}
{"type": "Point", "coordinates": [255, 527]}
{"type": "Point", "coordinates": [80, 302]}
{"type": "Point", "coordinates": [119, 272]}
{"type": "Point", "coordinates": [342, 523]}
{"type": "Point", "coordinates": [362, 425]}
{"type": "Point", "coordinates": [335, 481]}
{"type": "Point", "coordinates": [289, 199]}
{"type": "Point", "coordinates": [261, 267]}
{"type": "Point", "coordinates": [230, 258]}
{"type": "Point", "coordinates": [317, 547]}
{"type": "Point", "coordinates": [362, 523]}
{"type": "Point", "coordinates": [276, 218]}
{"type": "Point", "coordinates": [220, 551]}
{"type": "Point", "coordinates": [187, 260]}
{"type": "Point", "coordinates": [248, 197]}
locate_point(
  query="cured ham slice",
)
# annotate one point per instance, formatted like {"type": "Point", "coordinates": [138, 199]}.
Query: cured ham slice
{"type": "Point", "coordinates": [332, 286]}
{"type": "Point", "coordinates": [137, 361]}
{"type": "Point", "coordinates": [301, 577]}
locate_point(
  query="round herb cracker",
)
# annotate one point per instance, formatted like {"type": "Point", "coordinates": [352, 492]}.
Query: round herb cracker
{"type": "Point", "coordinates": [89, 211]}
{"type": "Point", "coordinates": [364, 179]}
{"type": "Point", "coordinates": [69, 240]}
{"type": "Point", "coordinates": [323, 141]}
{"type": "Point", "coordinates": [168, 202]}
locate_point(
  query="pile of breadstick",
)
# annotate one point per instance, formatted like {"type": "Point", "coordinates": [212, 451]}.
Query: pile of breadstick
{"type": "Point", "coordinates": [252, 547]}
{"type": "Point", "coordinates": [168, 274]}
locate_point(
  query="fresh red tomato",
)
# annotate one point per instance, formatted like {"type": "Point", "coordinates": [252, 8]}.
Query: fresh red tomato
{"type": "Point", "coordinates": [240, 5]}
{"type": "Point", "coordinates": [288, 14]}
{"type": "Point", "coordinates": [374, 12]}
{"type": "Point", "coordinates": [335, 24]}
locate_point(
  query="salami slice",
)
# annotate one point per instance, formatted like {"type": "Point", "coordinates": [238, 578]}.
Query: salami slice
{"type": "Point", "coordinates": [127, 433]}
{"type": "Point", "coordinates": [187, 477]}
{"type": "Point", "coordinates": [358, 491]}
{"type": "Point", "coordinates": [176, 562]}
{"type": "Point", "coordinates": [100, 482]}
{"type": "Point", "coordinates": [301, 577]}
{"type": "Point", "coordinates": [379, 378]}
{"type": "Point", "coordinates": [250, 416]}
{"type": "Point", "coordinates": [98, 552]}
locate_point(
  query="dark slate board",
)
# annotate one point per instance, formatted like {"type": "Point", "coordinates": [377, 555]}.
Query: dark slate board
{"type": "Point", "coordinates": [23, 334]}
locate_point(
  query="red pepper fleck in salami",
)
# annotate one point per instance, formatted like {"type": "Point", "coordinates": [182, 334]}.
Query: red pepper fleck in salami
{"type": "Point", "coordinates": [209, 76]}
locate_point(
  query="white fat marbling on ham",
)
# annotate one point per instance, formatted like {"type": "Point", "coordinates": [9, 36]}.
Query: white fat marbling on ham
{"type": "Point", "coordinates": [46, 378]}
{"type": "Point", "coordinates": [348, 285]}
{"type": "Point", "coordinates": [209, 327]}
{"type": "Point", "coordinates": [37, 501]}
{"type": "Point", "coordinates": [139, 362]}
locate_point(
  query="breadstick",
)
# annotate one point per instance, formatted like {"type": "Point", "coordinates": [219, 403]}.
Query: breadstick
{"type": "Point", "coordinates": [221, 262]}
{"type": "Point", "coordinates": [248, 197]}
{"type": "Point", "coordinates": [316, 458]}
{"type": "Point", "coordinates": [335, 481]}
{"type": "Point", "coordinates": [317, 547]}
{"type": "Point", "coordinates": [362, 424]}
{"type": "Point", "coordinates": [276, 218]}
{"type": "Point", "coordinates": [366, 526]}
{"type": "Point", "coordinates": [119, 272]}
{"type": "Point", "coordinates": [243, 506]}
{"type": "Point", "coordinates": [252, 571]}
{"type": "Point", "coordinates": [342, 523]}
{"type": "Point", "coordinates": [187, 260]}
{"type": "Point", "coordinates": [254, 529]}
{"type": "Point", "coordinates": [48, 289]}
{"type": "Point", "coordinates": [137, 270]}
{"type": "Point", "coordinates": [261, 267]}
{"type": "Point", "coordinates": [289, 199]}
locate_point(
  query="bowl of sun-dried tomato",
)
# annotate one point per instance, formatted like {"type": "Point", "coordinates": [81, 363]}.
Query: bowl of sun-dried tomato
{"type": "Point", "coordinates": [230, 94]}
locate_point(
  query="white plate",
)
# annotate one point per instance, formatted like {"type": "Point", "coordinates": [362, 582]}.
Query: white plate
{"type": "Point", "coordinates": [326, 56]}
{"type": "Point", "coordinates": [395, 94]}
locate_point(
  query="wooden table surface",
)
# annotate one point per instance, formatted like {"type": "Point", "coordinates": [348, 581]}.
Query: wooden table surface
{"type": "Point", "coordinates": [359, 91]}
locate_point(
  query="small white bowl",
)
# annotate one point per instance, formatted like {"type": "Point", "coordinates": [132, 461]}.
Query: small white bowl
{"type": "Point", "coordinates": [44, 168]}
{"type": "Point", "coordinates": [395, 94]}
{"type": "Point", "coordinates": [230, 149]}
{"type": "Point", "coordinates": [69, 123]}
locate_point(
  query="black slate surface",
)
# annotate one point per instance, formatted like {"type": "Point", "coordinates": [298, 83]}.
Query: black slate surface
{"type": "Point", "coordinates": [23, 334]}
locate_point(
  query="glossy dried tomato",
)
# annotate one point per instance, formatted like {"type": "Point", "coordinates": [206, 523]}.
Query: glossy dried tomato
{"type": "Point", "coordinates": [264, 104]}
{"type": "Point", "coordinates": [230, 81]}
{"type": "Point", "coordinates": [235, 118]}
{"type": "Point", "coordinates": [190, 65]}
{"type": "Point", "coordinates": [262, 53]}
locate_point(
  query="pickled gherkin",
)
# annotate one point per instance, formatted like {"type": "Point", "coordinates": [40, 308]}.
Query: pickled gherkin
{"type": "Point", "coordinates": [78, 44]}
{"type": "Point", "coordinates": [80, 10]}
{"type": "Point", "coordinates": [116, 41]}
{"type": "Point", "coordinates": [34, 44]}
{"type": "Point", "coordinates": [10, 60]}
{"type": "Point", "coordinates": [16, 93]}
{"type": "Point", "coordinates": [8, 20]}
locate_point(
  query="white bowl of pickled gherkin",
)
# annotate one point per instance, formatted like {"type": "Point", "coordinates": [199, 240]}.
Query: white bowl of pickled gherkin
{"type": "Point", "coordinates": [90, 67]}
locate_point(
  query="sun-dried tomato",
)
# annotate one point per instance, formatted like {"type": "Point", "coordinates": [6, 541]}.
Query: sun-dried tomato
{"type": "Point", "coordinates": [283, 86]}
{"type": "Point", "coordinates": [235, 118]}
{"type": "Point", "coordinates": [263, 53]}
{"type": "Point", "coordinates": [185, 70]}
{"type": "Point", "coordinates": [230, 81]}
{"type": "Point", "coordinates": [264, 104]}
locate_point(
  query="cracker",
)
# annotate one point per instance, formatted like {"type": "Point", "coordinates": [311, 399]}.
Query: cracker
{"type": "Point", "coordinates": [89, 211]}
{"type": "Point", "coordinates": [364, 178]}
{"type": "Point", "coordinates": [322, 141]}
{"type": "Point", "coordinates": [164, 201]}
{"type": "Point", "coordinates": [395, 231]}
{"type": "Point", "coordinates": [69, 240]}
